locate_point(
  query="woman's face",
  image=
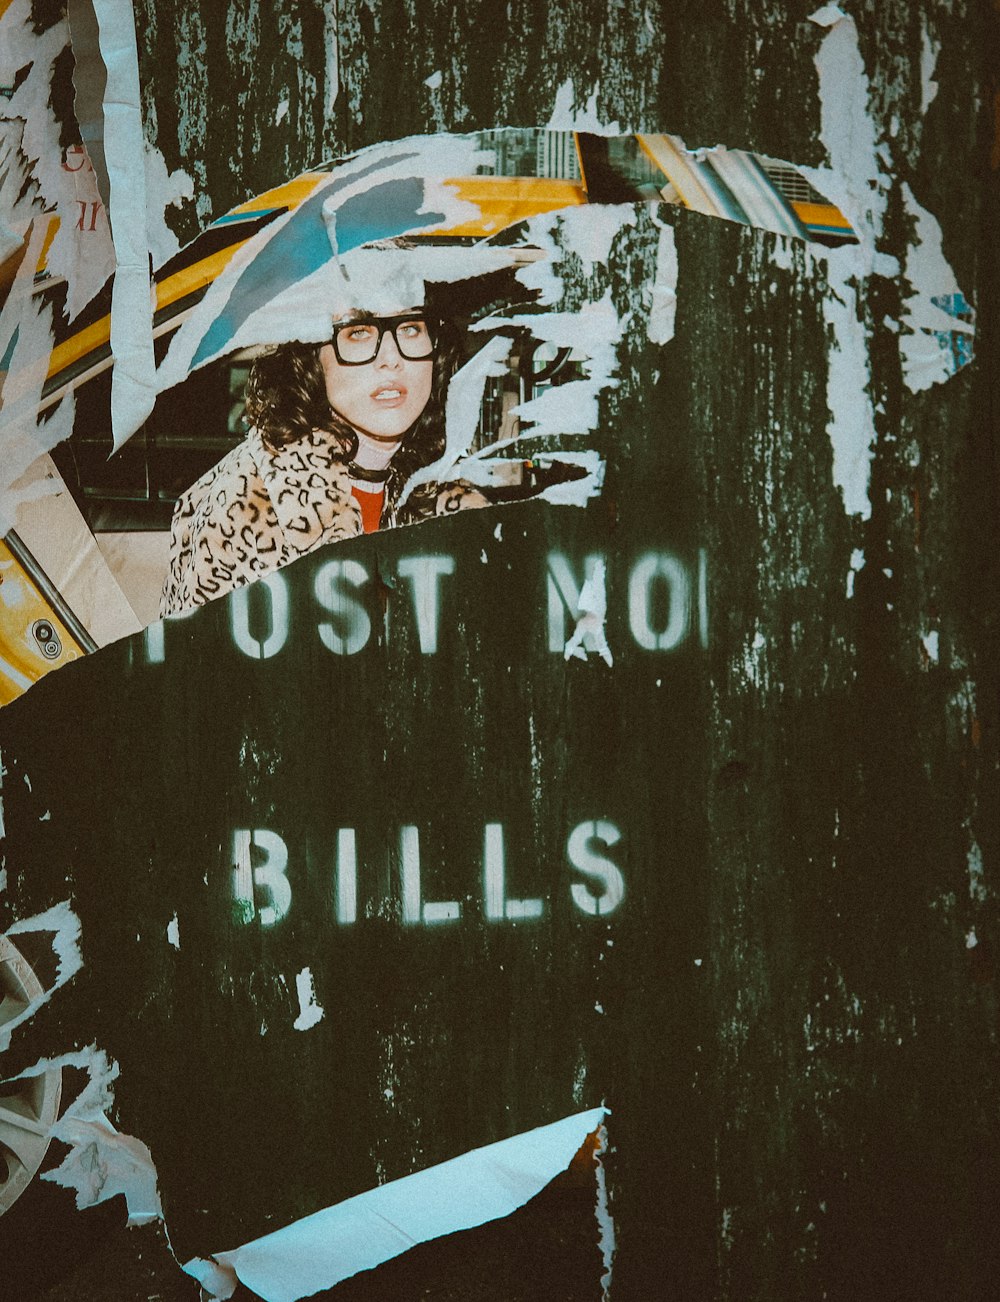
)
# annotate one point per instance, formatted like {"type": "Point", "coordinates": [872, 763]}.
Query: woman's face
{"type": "Point", "coordinates": [383, 397]}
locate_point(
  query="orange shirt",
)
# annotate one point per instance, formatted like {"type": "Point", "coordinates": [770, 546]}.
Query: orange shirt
{"type": "Point", "coordinates": [371, 507]}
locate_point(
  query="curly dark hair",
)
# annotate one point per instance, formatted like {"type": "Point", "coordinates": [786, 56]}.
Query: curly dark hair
{"type": "Point", "coordinates": [286, 400]}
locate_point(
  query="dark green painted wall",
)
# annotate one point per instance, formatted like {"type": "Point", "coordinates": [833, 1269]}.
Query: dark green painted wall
{"type": "Point", "coordinates": [810, 1111]}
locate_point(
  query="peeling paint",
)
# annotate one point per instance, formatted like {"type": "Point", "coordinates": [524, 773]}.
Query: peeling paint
{"type": "Point", "coordinates": [590, 230]}
{"type": "Point", "coordinates": [464, 403]}
{"type": "Point", "coordinates": [857, 565]}
{"type": "Point", "coordinates": [939, 320]}
{"type": "Point", "coordinates": [589, 633]}
{"type": "Point", "coordinates": [594, 331]}
{"type": "Point", "coordinates": [929, 51]}
{"type": "Point", "coordinates": [571, 113]}
{"type": "Point", "coordinates": [755, 661]}
{"type": "Point", "coordinates": [663, 293]}
{"type": "Point", "coordinates": [573, 492]}
{"type": "Point", "coordinates": [930, 643]}
{"type": "Point", "coordinates": [602, 1210]}
{"type": "Point", "coordinates": [856, 183]}
{"type": "Point", "coordinates": [852, 422]}
{"type": "Point", "coordinates": [310, 1012]}
{"type": "Point", "coordinates": [164, 189]}
{"type": "Point", "coordinates": [974, 868]}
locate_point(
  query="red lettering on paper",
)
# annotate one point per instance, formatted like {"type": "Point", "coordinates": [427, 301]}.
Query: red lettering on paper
{"type": "Point", "coordinates": [95, 207]}
{"type": "Point", "coordinates": [76, 151]}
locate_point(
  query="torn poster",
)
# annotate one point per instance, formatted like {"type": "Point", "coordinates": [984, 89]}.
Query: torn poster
{"type": "Point", "coordinates": [274, 269]}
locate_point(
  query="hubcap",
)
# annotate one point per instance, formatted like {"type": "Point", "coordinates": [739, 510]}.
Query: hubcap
{"type": "Point", "coordinates": [28, 1106]}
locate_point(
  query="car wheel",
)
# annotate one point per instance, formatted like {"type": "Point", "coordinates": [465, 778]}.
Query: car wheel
{"type": "Point", "coordinates": [29, 1105]}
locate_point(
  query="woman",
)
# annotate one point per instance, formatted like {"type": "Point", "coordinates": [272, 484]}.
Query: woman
{"type": "Point", "coordinates": [336, 431]}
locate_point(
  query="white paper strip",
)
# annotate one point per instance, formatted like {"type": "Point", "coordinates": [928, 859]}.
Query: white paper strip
{"type": "Point", "coordinates": [319, 1251]}
{"type": "Point", "coordinates": [133, 382]}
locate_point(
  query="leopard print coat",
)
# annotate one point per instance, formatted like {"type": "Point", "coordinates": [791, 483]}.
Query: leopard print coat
{"type": "Point", "coordinates": [258, 510]}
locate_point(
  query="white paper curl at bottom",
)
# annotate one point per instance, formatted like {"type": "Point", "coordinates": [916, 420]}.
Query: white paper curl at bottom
{"type": "Point", "coordinates": [319, 1251]}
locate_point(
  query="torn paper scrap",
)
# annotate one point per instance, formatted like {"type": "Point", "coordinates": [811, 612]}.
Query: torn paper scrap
{"type": "Point", "coordinates": [939, 319]}
{"type": "Point", "coordinates": [856, 183]}
{"type": "Point", "coordinates": [133, 385]}
{"type": "Point", "coordinates": [663, 292]}
{"type": "Point", "coordinates": [571, 112]}
{"type": "Point", "coordinates": [319, 1251]}
{"type": "Point", "coordinates": [605, 1222]}
{"type": "Point", "coordinates": [310, 1012]}
{"type": "Point", "coordinates": [462, 409]}
{"type": "Point", "coordinates": [593, 334]}
{"type": "Point", "coordinates": [41, 179]}
{"type": "Point", "coordinates": [589, 634]}
{"type": "Point", "coordinates": [103, 1163]}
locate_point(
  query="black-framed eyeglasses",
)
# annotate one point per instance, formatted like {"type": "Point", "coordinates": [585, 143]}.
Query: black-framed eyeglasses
{"type": "Point", "coordinates": [357, 342]}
